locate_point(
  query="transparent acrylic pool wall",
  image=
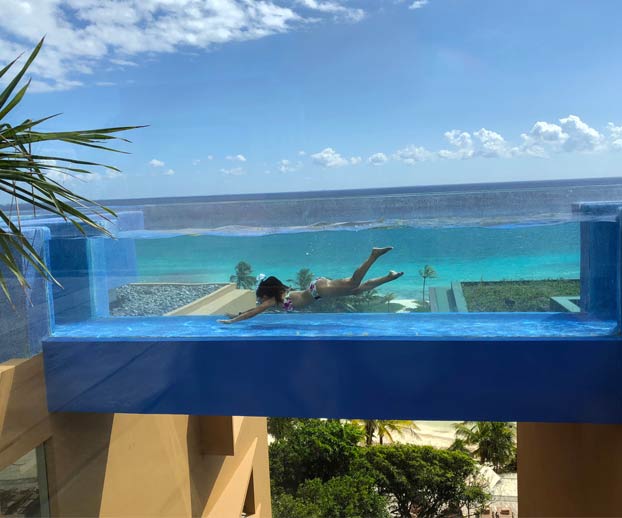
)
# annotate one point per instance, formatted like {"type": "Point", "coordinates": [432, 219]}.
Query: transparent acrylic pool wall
{"type": "Point", "coordinates": [478, 234]}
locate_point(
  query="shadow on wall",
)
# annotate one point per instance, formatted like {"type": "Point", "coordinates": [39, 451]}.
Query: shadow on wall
{"type": "Point", "coordinates": [77, 457]}
{"type": "Point", "coordinates": [205, 461]}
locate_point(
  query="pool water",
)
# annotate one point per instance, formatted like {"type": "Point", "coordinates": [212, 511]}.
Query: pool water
{"type": "Point", "coordinates": [544, 251]}
{"type": "Point", "coordinates": [411, 326]}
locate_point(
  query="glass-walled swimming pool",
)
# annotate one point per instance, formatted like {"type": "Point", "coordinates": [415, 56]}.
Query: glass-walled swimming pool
{"type": "Point", "coordinates": [166, 310]}
{"type": "Point", "coordinates": [469, 256]}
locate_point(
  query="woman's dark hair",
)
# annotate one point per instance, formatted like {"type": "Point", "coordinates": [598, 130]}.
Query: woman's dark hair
{"type": "Point", "coordinates": [273, 288]}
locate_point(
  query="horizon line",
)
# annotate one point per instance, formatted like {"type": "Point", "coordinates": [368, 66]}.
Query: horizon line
{"type": "Point", "coordinates": [420, 189]}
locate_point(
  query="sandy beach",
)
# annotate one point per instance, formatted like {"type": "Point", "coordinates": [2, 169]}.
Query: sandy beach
{"type": "Point", "coordinates": [440, 434]}
{"type": "Point", "coordinates": [408, 305]}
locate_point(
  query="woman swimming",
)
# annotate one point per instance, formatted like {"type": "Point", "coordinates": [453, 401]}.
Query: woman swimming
{"type": "Point", "coordinates": [272, 292]}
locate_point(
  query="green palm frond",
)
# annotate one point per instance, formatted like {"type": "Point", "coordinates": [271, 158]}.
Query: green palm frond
{"type": "Point", "coordinates": [25, 178]}
{"type": "Point", "coordinates": [384, 428]}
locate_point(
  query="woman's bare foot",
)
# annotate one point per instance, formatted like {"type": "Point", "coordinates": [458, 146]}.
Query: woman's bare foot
{"type": "Point", "coordinates": [377, 252]}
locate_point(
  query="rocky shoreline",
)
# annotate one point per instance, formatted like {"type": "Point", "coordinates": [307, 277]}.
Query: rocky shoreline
{"type": "Point", "coordinates": [142, 300]}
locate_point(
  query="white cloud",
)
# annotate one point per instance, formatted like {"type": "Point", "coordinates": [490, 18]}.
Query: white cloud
{"type": "Point", "coordinates": [236, 158]}
{"type": "Point", "coordinates": [491, 145]}
{"type": "Point", "coordinates": [123, 62]}
{"type": "Point", "coordinates": [111, 173]}
{"type": "Point", "coordinates": [412, 154]}
{"type": "Point", "coordinates": [483, 143]}
{"type": "Point", "coordinates": [463, 143]}
{"type": "Point", "coordinates": [74, 179]}
{"type": "Point", "coordinates": [234, 171]}
{"type": "Point", "coordinates": [581, 137]}
{"type": "Point", "coordinates": [53, 170]}
{"type": "Point", "coordinates": [328, 157]}
{"type": "Point", "coordinates": [154, 162]}
{"type": "Point", "coordinates": [418, 4]}
{"type": "Point", "coordinates": [543, 135]}
{"type": "Point", "coordinates": [54, 174]}
{"type": "Point", "coordinates": [302, 153]}
{"type": "Point", "coordinates": [336, 8]}
{"type": "Point", "coordinates": [571, 134]}
{"type": "Point", "coordinates": [86, 35]}
{"type": "Point", "coordinates": [287, 166]}
{"type": "Point", "coordinates": [169, 172]}
{"type": "Point", "coordinates": [615, 136]}
{"type": "Point", "coordinates": [377, 159]}
{"type": "Point", "coordinates": [196, 161]}
{"type": "Point", "coordinates": [210, 157]}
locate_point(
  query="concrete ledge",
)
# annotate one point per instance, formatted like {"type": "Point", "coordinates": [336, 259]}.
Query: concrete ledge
{"type": "Point", "coordinates": [227, 299]}
{"type": "Point", "coordinates": [569, 304]}
{"type": "Point", "coordinates": [459, 299]}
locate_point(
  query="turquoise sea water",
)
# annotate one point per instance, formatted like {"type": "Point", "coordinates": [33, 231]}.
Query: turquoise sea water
{"type": "Point", "coordinates": [456, 253]}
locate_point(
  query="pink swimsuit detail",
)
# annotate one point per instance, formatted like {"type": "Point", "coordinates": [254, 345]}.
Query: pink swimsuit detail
{"type": "Point", "coordinates": [288, 305]}
{"type": "Point", "coordinates": [313, 289]}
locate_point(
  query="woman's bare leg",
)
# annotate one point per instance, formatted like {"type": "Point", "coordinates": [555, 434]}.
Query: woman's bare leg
{"type": "Point", "coordinates": [339, 287]}
{"type": "Point", "coordinates": [359, 273]}
{"type": "Point", "coordinates": [378, 281]}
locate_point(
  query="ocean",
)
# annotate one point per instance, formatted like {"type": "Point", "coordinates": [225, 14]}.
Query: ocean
{"type": "Point", "coordinates": [520, 230]}
{"type": "Point", "coordinates": [456, 253]}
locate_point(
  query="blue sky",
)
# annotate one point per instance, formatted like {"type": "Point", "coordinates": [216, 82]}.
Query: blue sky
{"type": "Point", "coordinates": [279, 95]}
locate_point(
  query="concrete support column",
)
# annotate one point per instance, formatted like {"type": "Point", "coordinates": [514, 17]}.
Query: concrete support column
{"type": "Point", "coordinates": [569, 470]}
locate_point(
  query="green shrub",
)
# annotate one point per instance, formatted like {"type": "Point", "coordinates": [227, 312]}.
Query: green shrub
{"type": "Point", "coordinates": [517, 295]}
{"type": "Point", "coordinates": [314, 449]}
{"type": "Point", "coordinates": [348, 496]}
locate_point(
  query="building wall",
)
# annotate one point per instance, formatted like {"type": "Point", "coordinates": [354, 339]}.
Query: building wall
{"type": "Point", "coordinates": [130, 465]}
{"type": "Point", "coordinates": [569, 470]}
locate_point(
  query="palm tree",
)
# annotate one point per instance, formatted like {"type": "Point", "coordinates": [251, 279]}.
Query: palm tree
{"type": "Point", "coordinates": [388, 298]}
{"type": "Point", "coordinates": [243, 276]}
{"type": "Point", "coordinates": [383, 428]}
{"type": "Point", "coordinates": [428, 272]}
{"type": "Point", "coordinates": [27, 178]}
{"type": "Point", "coordinates": [494, 441]}
{"type": "Point", "coordinates": [304, 277]}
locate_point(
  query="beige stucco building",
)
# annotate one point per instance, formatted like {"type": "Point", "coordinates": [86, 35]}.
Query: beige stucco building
{"type": "Point", "coordinates": [130, 465]}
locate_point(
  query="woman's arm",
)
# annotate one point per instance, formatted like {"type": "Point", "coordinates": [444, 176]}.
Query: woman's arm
{"type": "Point", "coordinates": [251, 312]}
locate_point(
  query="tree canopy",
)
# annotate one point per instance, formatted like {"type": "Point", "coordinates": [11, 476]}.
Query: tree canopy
{"type": "Point", "coordinates": [314, 449]}
{"type": "Point", "coordinates": [423, 481]}
{"type": "Point", "coordinates": [494, 442]}
{"type": "Point", "coordinates": [319, 469]}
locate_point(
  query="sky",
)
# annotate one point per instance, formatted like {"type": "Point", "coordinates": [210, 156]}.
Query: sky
{"type": "Point", "coordinates": [244, 96]}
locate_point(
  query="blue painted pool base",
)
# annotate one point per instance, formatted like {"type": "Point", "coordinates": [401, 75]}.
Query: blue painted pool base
{"type": "Point", "coordinates": [354, 369]}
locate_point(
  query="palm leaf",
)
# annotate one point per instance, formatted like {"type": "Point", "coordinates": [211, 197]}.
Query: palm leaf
{"type": "Point", "coordinates": [24, 177]}
{"type": "Point", "coordinates": [11, 86]}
